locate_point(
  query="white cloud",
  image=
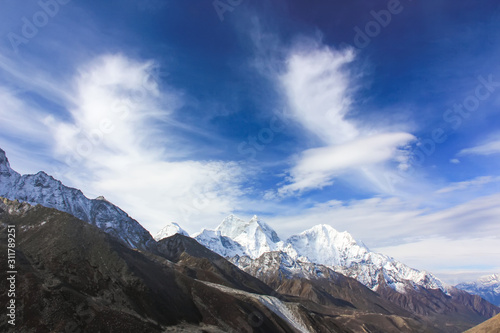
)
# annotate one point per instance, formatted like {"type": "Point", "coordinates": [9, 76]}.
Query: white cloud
{"type": "Point", "coordinates": [118, 137]}
{"type": "Point", "coordinates": [318, 166]}
{"type": "Point", "coordinates": [117, 142]}
{"type": "Point", "coordinates": [318, 88]}
{"type": "Point", "coordinates": [489, 148]}
{"type": "Point", "coordinates": [476, 182]}
{"type": "Point", "coordinates": [20, 120]}
{"type": "Point", "coordinates": [454, 260]}
{"type": "Point", "coordinates": [381, 221]}
{"type": "Point", "coordinates": [455, 161]}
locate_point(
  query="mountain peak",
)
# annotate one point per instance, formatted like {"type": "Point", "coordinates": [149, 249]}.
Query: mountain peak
{"type": "Point", "coordinates": [170, 229]}
{"type": "Point", "coordinates": [231, 226]}
{"type": "Point", "coordinates": [8, 177]}
{"type": "Point", "coordinates": [488, 287]}
{"type": "Point", "coordinates": [254, 236]}
{"type": "Point", "coordinates": [490, 278]}
{"type": "Point", "coordinates": [44, 175]}
{"type": "Point", "coordinates": [47, 191]}
{"type": "Point", "coordinates": [324, 228]}
{"type": "Point", "coordinates": [4, 161]}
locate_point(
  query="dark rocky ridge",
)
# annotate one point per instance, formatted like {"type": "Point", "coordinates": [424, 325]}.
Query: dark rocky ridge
{"type": "Point", "coordinates": [73, 276]}
{"type": "Point", "coordinates": [45, 190]}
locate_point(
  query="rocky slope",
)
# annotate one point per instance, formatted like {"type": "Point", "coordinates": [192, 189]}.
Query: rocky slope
{"type": "Point", "coordinates": [93, 282]}
{"type": "Point", "coordinates": [73, 277]}
{"type": "Point", "coordinates": [308, 265]}
{"type": "Point", "coordinates": [490, 326]}
{"type": "Point", "coordinates": [314, 282]}
{"type": "Point", "coordinates": [45, 190]}
{"type": "Point", "coordinates": [455, 311]}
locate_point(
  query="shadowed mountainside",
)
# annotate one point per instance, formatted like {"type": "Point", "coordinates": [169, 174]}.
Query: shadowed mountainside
{"type": "Point", "coordinates": [74, 277]}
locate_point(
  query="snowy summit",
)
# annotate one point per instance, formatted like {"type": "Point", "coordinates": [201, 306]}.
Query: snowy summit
{"type": "Point", "coordinates": [169, 230]}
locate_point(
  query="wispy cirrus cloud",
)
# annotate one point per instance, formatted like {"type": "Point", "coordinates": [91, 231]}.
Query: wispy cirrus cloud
{"type": "Point", "coordinates": [317, 85]}
{"type": "Point", "coordinates": [489, 148]}
{"type": "Point", "coordinates": [318, 167]}
{"type": "Point", "coordinates": [121, 135]}
{"type": "Point", "coordinates": [116, 140]}
{"type": "Point", "coordinates": [476, 182]}
{"type": "Point", "coordinates": [319, 88]}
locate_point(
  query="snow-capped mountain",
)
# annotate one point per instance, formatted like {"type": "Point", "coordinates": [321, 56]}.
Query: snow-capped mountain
{"type": "Point", "coordinates": [45, 190]}
{"type": "Point", "coordinates": [254, 236]}
{"type": "Point", "coordinates": [221, 245]}
{"type": "Point", "coordinates": [321, 245]}
{"type": "Point", "coordinates": [270, 262]}
{"type": "Point", "coordinates": [324, 245]}
{"type": "Point", "coordinates": [169, 230]}
{"type": "Point", "coordinates": [488, 287]}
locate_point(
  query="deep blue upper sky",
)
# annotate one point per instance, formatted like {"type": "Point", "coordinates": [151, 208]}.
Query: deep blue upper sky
{"type": "Point", "coordinates": [377, 117]}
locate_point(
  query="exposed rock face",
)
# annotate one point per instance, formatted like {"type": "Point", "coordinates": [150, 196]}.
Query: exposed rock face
{"type": "Point", "coordinates": [93, 282]}
{"type": "Point", "coordinates": [454, 311]}
{"type": "Point", "coordinates": [100, 270]}
{"type": "Point", "coordinates": [322, 245]}
{"type": "Point", "coordinates": [73, 277]}
{"type": "Point", "coordinates": [45, 190]}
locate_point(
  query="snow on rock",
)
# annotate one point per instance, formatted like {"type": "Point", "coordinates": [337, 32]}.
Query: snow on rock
{"type": "Point", "coordinates": [45, 190]}
{"type": "Point", "coordinates": [270, 262]}
{"type": "Point", "coordinates": [170, 229]}
{"type": "Point", "coordinates": [222, 245]}
{"type": "Point", "coordinates": [322, 245]}
{"type": "Point", "coordinates": [488, 287]}
{"type": "Point", "coordinates": [236, 237]}
{"type": "Point", "coordinates": [254, 236]}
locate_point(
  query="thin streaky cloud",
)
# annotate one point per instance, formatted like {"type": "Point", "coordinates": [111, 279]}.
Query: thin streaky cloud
{"type": "Point", "coordinates": [489, 148]}
{"type": "Point", "coordinates": [476, 182]}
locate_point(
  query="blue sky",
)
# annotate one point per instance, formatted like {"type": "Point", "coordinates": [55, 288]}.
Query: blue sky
{"type": "Point", "coordinates": [376, 117]}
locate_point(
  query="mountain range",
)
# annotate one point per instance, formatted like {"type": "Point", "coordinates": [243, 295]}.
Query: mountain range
{"type": "Point", "coordinates": [101, 270]}
{"type": "Point", "coordinates": [322, 245]}
{"type": "Point", "coordinates": [317, 253]}
{"type": "Point", "coordinates": [488, 287]}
